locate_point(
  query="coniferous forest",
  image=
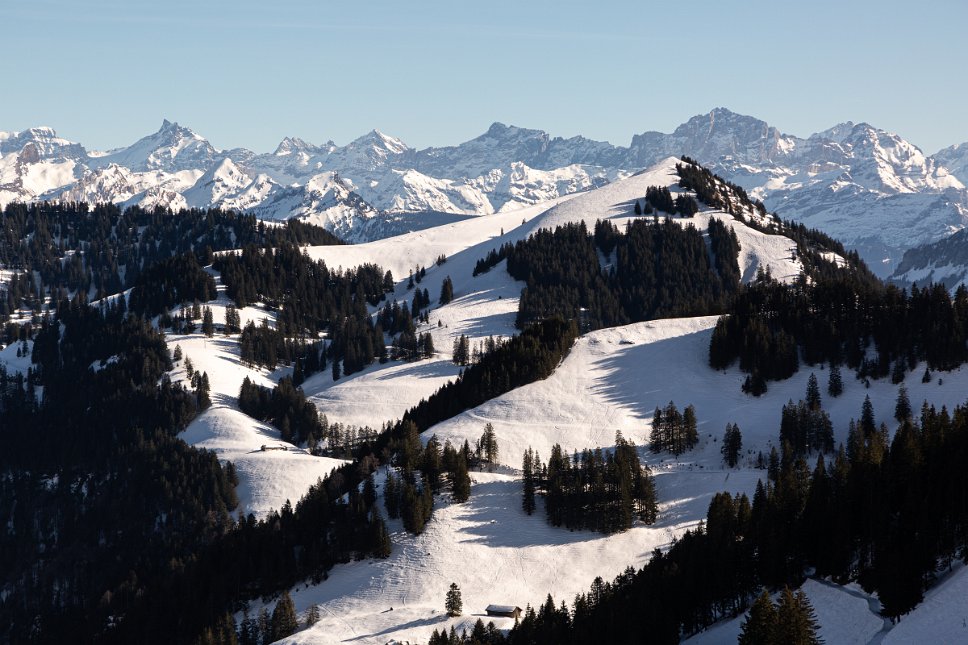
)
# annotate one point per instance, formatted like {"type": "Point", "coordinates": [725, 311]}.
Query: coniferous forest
{"type": "Point", "coordinates": [102, 249]}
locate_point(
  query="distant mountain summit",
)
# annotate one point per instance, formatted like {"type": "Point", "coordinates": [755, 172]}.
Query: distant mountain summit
{"type": "Point", "coordinates": [866, 186]}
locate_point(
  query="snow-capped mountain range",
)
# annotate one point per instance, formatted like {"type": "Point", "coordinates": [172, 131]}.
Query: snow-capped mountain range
{"type": "Point", "coordinates": [868, 187]}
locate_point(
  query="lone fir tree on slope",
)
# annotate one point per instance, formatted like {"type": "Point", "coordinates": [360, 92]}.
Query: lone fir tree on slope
{"type": "Point", "coordinates": [453, 603]}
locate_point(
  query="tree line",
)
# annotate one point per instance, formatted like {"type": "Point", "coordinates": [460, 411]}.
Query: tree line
{"type": "Point", "coordinates": [102, 249]}
{"type": "Point", "coordinates": [840, 317]}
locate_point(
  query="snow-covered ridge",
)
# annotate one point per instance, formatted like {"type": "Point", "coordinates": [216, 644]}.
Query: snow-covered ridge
{"type": "Point", "coordinates": [865, 186]}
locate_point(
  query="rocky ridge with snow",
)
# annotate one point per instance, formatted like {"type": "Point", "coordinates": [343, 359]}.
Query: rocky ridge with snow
{"type": "Point", "coordinates": [869, 188]}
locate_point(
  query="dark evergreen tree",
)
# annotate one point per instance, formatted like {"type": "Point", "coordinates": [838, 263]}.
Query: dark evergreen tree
{"type": "Point", "coordinates": [453, 604]}
{"type": "Point", "coordinates": [795, 620]}
{"type": "Point", "coordinates": [732, 445]}
{"type": "Point", "coordinates": [461, 479]}
{"type": "Point", "coordinates": [760, 626]}
{"type": "Point", "coordinates": [902, 408]}
{"type": "Point", "coordinates": [446, 291]}
{"type": "Point", "coordinates": [528, 475]}
{"type": "Point", "coordinates": [208, 322]}
{"type": "Point", "coordinates": [813, 393]}
{"type": "Point", "coordinates": [284, 622]}
{"type": "Point", "coordinates": [835, 383]}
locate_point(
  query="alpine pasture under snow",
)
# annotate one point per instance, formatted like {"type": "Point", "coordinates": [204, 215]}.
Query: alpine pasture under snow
{"type": "Point", "coordinates": [611, 382]}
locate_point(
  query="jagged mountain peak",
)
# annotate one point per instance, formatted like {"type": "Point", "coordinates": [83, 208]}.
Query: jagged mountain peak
{"type": "Point", "coordinates": [172, 148]}
{"type": "Point", "coordinates": [836, 133]}
{"type": "Point", "coordinates": [291, 145]}
{"type": "Point", "coordinates": [955, 159]}
{"type": "Point", "coordinates": [380, 141]}
{"type": "Point", "coordinates": [173, 129]}
{"type": "Point", "coordinates": [720, 120]}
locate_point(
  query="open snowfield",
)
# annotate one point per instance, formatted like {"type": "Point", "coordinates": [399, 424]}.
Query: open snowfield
{"type": "Point", "coordinates": [614, 378]}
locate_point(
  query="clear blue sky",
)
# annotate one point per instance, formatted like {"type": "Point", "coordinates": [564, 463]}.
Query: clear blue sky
{"type": "Point", "coordinates": [432, 72]}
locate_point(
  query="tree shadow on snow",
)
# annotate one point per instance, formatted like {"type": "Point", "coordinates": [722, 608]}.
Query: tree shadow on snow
{"type": "Point", "coordinates": [420, 622]}
{"type": "Point", "coordinates": [644, 376]}
{"type": "Point", "coordinates": [494, 508]}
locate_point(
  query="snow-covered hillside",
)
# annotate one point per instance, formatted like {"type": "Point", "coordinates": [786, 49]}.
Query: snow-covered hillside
{"type": "Point", "coordinates": [267, 478]}
{"type": "Point", "coordinates": [945, 261]}
{"type": "Point", "coordinates": [867, 187]}
{"type": "Point", "coordinates": [612, 381]}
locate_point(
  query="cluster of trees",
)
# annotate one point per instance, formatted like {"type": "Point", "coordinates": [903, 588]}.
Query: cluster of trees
{"type": "Point", "coordinates": [341, 440]}
{"type": "Point", "coordinates": [284, 406]}
{"type": "Point", "coordinates": [659, 270]}
{"type": "Point", "coordinates": [421, 300]}
{"type": "Point", "coordinates": [406, 500]}
{"type": "Point", "coordinates": [102, 249]}
{"type": "Point", "coordinates": [659, 198]}
{"type": "Point", "coordinates": [673, 431]}
{"type": "Point", "coordinates": [309, 298]}
{"type": "Point", "coordinates": [487, 449]}
{"type": "Point", "coordinates": [725, 248]}
{"type": "Point", "coordinates": [714, 191]}
{"type": "Point", "coordinates": [410, 347]}
{"type": "Point", "coordinates": [732, 444]}
{"type": "Point", "coordinates": [170, 282]}
{"type": "Point", "coordinates": [416, 276]}
{"type": "Point", "coordinates": [267, 627]}
{"type": "Point", "coordinates": [464, 354]}
{"type": "Point", "coordinates": [604, 491]}
{"type": "Point", "coordinates": [791, 620]}
{"type": "Point", "coordinates": [840, 317]}
{"type": "Point", "coordinates": [525, 358]}
{"type": "Point", "coordinates": [805, 426]}
{"type": "Point", "coordinates": [436, 463]}
{"type": "Point", "coordinates": [263, 346]}
{"type": "Point", "coordinates": [479, 635]}
{"type": "Point", "coordinates": [492, 259]}
{"type": "Point", "coordinates": [394, 319]}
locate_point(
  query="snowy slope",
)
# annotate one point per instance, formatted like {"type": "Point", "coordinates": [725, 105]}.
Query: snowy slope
{"type": "Point", "coordinates": [941, 618]}
{"type": "Point", "coordinates": [845, 615]}
{"type": "Point", "coordinates": [612, 380]}
{"type": "Point", "coordinates": [487, 304]}
{"type": "Point", "coordinates": [266, 478]}
{"type": "Point", "coordinates": [945, 261]}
